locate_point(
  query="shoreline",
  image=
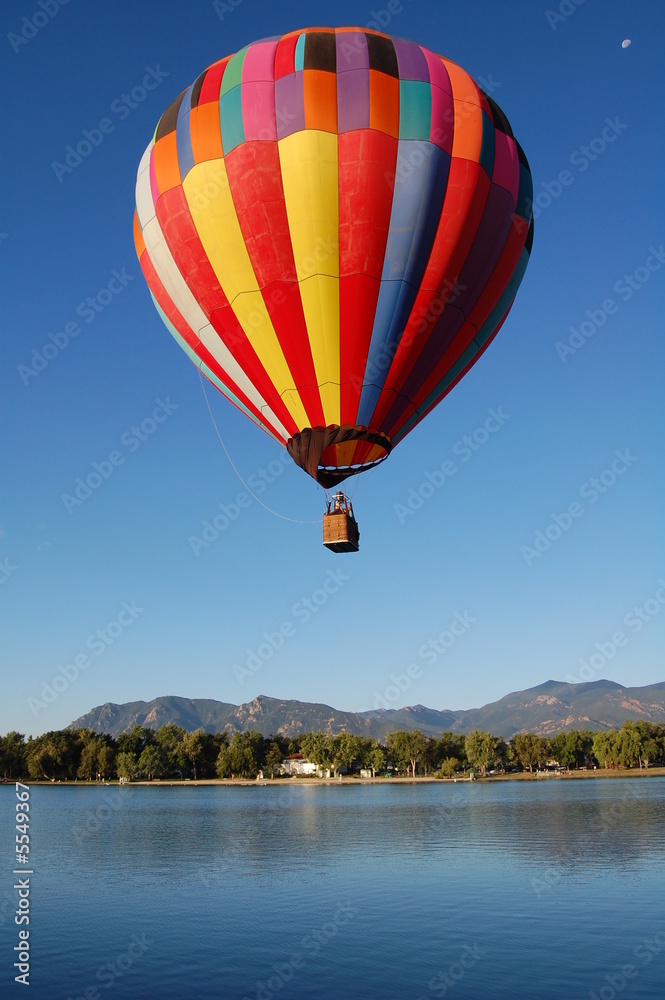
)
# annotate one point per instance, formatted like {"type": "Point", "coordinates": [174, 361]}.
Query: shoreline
{"type": "Point", "coordinates": [652, 772]}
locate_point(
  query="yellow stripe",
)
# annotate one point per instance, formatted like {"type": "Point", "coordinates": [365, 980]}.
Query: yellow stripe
{"type": "Point", "coordinates": [309, 164]}
{"type": "Point", "coordinates": [211, 205]}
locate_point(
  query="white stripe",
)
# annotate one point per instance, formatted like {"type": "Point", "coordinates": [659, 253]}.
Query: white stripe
{"type": "Point", "coordinates": [144, 204]}
{"type": "Point", "coordinates": [183, 299]}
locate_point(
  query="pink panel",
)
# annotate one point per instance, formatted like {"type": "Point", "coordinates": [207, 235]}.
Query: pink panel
{"type": "Point", "coordinates": [258, 110]}
{"type": "Point", "coordinates": [506, 164]}
{"type": "Point", "coordinates": [259, 62]}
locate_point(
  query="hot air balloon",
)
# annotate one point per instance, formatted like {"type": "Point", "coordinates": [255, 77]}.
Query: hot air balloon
{"type": "Point", "coordinates": [333, 225]}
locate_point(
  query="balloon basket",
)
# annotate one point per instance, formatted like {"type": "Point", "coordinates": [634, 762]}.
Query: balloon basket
{"type": "Point", "coordinates": [340, 528]}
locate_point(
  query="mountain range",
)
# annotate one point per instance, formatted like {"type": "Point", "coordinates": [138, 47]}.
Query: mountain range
{"type": "Point", "coordinates": [545, 710]}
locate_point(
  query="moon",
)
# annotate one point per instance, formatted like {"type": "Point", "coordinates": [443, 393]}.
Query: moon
{"type": "Point", "coordinates": [625, 43]}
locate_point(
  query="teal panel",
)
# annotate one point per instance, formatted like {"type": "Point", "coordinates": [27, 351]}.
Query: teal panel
{"type": "Point", "coordinates": [300, 53]}
{"type": "Point", "coordinates": [415, 109]}
{"type": "Point", "coordinates": [487, 146]}
{"type": "Point", "coordinates": [230, 117]}
{"type": "Point", "coordinates": [525, 194]}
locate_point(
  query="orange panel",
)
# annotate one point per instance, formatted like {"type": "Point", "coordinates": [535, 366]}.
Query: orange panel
{"type": "Point", "coordinates": [167, 170]}
{"type": "Point", "coordinates": [383, 103]}
{"type": "Point", "coordinates": [206, 132]}
{"type": "Point", "coordinates": [464, 89]}
{"type": "Point", "coordinates": [467, 132]}
{"type": "Point", "coordinates": [138, 237]}
{"type": "Point", "coordinates": [320, 90]}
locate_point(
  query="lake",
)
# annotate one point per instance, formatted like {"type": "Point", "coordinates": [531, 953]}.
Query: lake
{"type": "Point", "coordinates": [543, 889]}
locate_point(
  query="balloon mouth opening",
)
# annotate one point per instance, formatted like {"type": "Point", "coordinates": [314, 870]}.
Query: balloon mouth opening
{"type": "Point", "coordinates": [332, 454]}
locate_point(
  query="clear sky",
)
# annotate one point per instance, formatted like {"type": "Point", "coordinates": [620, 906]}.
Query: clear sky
{"type": "Point", "coordinates": [109, 594]}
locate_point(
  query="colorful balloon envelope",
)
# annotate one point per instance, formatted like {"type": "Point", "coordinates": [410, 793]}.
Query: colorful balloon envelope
{"type": "Point", "coordinates": [333, 225]}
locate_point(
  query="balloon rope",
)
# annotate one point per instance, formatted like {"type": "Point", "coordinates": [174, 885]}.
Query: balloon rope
{"type": "Point", "coordinates": [269, 509]}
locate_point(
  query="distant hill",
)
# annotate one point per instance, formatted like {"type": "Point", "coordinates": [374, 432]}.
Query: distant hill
{"type": "Point", "coordinates": [547, 709]}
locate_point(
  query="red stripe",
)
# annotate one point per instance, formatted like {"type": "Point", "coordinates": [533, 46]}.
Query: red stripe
{"type": "Point", "coordinates": [285, 55]}
{"type": "Point", "coordinates": [213, 81]}
{"type": "Point", "coordinates": [191, 260]}
{"type": "Point", "coordinates": [367, 161]}
{"type": "Point", "coordinates": [191, 339]}
{"type": "Point", "coordinates": [255, 182]}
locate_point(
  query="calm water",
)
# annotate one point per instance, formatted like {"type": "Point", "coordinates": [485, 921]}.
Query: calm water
{"type": "Point", "coordinates": [510, 890]}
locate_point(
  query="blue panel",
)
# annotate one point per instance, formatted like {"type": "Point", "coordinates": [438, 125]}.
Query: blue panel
{"type": "Point", "coordinates": [230, 118]}
{"type": "Point", "coordinates": [485, 332]}
{"type": "Point", "coordinates": [300, 53]}
{"type": "Point", "coordinates": [421, 176]}
{"type": "Point", "coordinates": [184, 136]}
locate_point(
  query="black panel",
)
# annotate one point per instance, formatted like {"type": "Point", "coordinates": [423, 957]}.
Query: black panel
{"type": "Point", "coordinates": [522, 156]}
{"type": "Point", "coordinates": [320, 51]}
{"type": "Point", "coordinates": [529, 239]}
{"type": "Point", "coordinates": [196, 90]}
{"type": "Point", "coordinates": [169, 119]}
{"type": "Point", "coordinates": [382, 55]}
{"type": "Point", "coordinates": [500, 121]}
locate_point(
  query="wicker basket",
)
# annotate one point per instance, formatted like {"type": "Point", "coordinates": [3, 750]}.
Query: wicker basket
{"type": "Point", "coordinates": [340, 532]}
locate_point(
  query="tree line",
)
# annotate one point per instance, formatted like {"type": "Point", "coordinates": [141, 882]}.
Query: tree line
{"type": "Point", "coordinates": [172, 752]}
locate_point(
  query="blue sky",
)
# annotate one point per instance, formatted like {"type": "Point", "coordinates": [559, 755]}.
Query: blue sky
{"type": "Point", "coordinates": [114, 595]}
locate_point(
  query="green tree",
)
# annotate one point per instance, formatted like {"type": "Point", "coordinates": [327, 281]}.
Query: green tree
{"type": "Point", "coordinates": [317, 747]}
{"type": "Point", "coordinates": [135, 741]}
{"type": "Point", "coordinates": [274, 758]}
{"type": "Point", "coordinates": [606, 748]}
{"type": "Point", "coordinates": [528, 749]}
{"type": "Point", "coordinates": [151, 763]}
{"type": "Point", "coordinates": [193, 747]}
{"type": "Point", "coordinates": [55, 755]}
{"type": "Point", "coordinates": [480, 749]}
{"type": "Point", "coordinates": [346, 748]}
{"type": "Point", "coordinates": [126, 766]}
{"type": "Point", "coordinates": [406, 748]}
{"type": "Point", "coordinates": [244, 756]}
{"type": "Point", "coordinates": [630, 744]}
{"type": "Point", "coordinates": [376, 758]}
{"type": "Point", "coordinates": [171, 740]}
{"type": "Point", "coordinates": [13, 755]}
{"type": "Point", "coordinates": [449, 767]}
